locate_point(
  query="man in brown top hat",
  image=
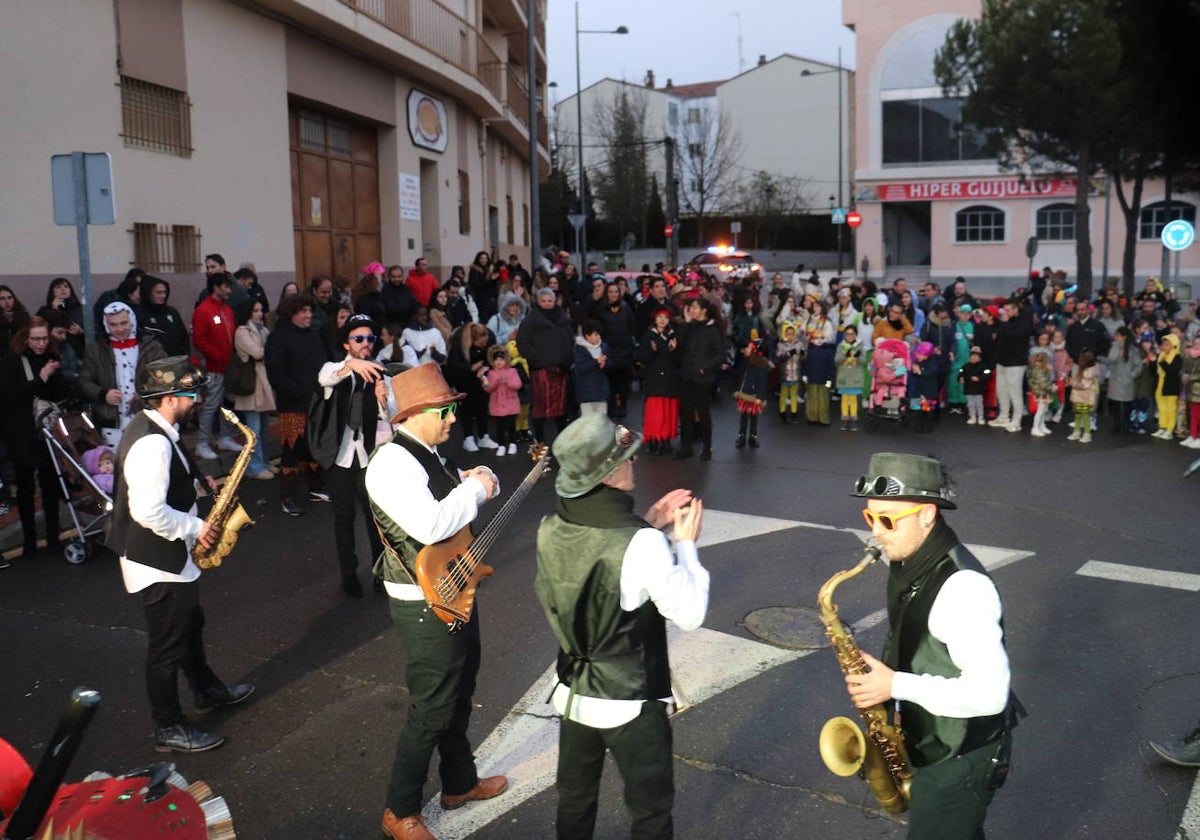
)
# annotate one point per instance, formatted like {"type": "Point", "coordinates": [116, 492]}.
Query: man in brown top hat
{"type": "Point", "coordinates": [418, 498]}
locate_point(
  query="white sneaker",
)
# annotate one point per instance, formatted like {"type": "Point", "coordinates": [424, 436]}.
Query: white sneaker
{"type": "Point", "coordinates": [500, 451]}
{"type": "Point", "coordinates": [486, 442]}
{"type": "Point", "coordinates": [1195, 444]}
{"type": "Point", "coordinates": [1087, 437]}
{"type": "Point", "coordinates": [1187, 441]}
{"type": "Point", "coordinates": [205, 452]}
{"type": "Point", "coordinates": [1013, 427]}
{"type": "Point", "coordinates": [512, 449]}
{"type": "Point", "coordinates": [1075, 435]}
{"type": "Point", "coordinates": [228, 444]}
{"type": "Point", "coordinates": [998, 423]}
{"type": "Point", "coordinates": [469, 444]}
{"type": "Point", "coordinates": [1038, 433]}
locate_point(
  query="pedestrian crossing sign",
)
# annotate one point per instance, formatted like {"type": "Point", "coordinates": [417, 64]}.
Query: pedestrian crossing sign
{"type": "Point", "coordinates": [838, 216]}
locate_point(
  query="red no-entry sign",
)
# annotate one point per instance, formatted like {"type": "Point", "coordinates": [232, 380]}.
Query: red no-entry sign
{"type": "Point", "coordinates": [668, 231]}
{"type": "Point", "coordinates": [853, 219]}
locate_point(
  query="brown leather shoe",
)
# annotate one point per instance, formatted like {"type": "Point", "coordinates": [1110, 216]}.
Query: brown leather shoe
{"type": "Point", "coordinates": [404, 828]}
{"type": "Point", "coordinates": [484, 789]}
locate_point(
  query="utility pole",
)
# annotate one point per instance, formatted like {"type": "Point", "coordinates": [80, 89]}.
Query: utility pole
{"type": "Point", "coordinates": [535, 200]}
{"type": "Point", "coordinates": [672, 204]}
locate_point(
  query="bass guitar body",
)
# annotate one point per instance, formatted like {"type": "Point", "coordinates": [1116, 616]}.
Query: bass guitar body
{"type": "Point", "coordinates": [449, 575]}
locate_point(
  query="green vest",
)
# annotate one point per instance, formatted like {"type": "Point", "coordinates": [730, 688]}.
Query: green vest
{"type": "Point", "coordinates": [395, 564]}
{"type": "Point", "coordinates": [604, 651]}
{"type": "Point", "coordinates": [931, 738]}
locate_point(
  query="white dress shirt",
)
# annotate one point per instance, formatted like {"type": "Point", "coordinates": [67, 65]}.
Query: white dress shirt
{"type": "Point", "coordinates": [352, 450]}
{"type": "Point", "coordinates": [966, 618]}
{"type": "Point", "coordinates": [649, 572]}
{"type": "Point", "coordinates": [399, 485]}
{"type": "Point", "coordinates": [148, 471]}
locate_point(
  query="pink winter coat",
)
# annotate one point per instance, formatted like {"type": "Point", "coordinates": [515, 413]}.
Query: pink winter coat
{"type": "Point", "coordinates": [503, 386]}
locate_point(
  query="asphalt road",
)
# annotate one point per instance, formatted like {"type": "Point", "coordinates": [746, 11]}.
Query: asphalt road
{"type": "Point", "coordinates": [1101, 664]}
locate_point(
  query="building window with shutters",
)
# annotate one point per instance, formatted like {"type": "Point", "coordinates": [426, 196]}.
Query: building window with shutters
{"type": "Point", "coordinates": [464, 202]}
{"type": "Point", "coordinates": [1056, 223]}
{"type": "Point", "coordinates": [170, 249]}
{"type": "Point", "coordinates": [155, 117]}
{"type": "Point", "coordinates": [979, 223]}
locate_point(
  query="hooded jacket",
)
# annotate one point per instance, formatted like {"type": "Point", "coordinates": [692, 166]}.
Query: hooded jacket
{"type": "Point", "coordinates": [163, 321]}
{"type": "Point", "coordinates": [1170, 368]}
{"type": "Point", "coordinates": [504, 327]}
{"type": "Point", "coordinates": [547, 339]}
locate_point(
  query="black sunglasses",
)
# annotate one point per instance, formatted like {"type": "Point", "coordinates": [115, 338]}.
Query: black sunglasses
{"type": "Point", "coordinates": [359, 339]}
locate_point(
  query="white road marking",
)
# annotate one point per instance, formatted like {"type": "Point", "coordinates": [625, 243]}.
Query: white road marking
{"type": "Point", "coordinates": [1189, 824]}
{"type": "Point", "coordinates": [704, 663]}
{"type": "Point", "coordinates": [1139, 574]}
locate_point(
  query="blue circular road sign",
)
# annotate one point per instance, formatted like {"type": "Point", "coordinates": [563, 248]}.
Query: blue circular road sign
{"type": "Point", "coordinates": [1178, 234]}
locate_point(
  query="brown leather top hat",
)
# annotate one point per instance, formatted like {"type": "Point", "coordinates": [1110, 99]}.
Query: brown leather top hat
{"type": "Point", "coordinates": [419, 388]}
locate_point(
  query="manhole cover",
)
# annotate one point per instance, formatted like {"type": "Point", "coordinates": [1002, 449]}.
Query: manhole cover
{"type": "Point", "coordinates": [795, 628]}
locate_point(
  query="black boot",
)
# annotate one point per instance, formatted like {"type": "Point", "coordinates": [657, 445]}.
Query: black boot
{"type": "Point", "coordinates": [664, 448]}
{"type": "Point", "coordinates": [685, 452]}
{"type": "Point", "coordinates": [783, 417]}
{"type": "Point", "coordinates": [795, 418]}
{"type": "Point", "coordinates": [706, 453]}
{"type": "Point", "coordinates": [741, 441]}
{"type": "Point", "coordinates": [754, 442]}
{"type": "Point", "coordinates": [652, 447]}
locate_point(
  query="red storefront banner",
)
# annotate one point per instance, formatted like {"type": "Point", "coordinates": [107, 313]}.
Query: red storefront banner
{"type": "Point", "coordinates": [991, 188]}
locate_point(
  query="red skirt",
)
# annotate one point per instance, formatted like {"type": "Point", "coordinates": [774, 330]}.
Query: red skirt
{"type": "Point", "coordinates": [749, 407]}
{"type": "Point", "coordinates": [549, 393]}
{"type": "Point", "coordinates": [660, 418]}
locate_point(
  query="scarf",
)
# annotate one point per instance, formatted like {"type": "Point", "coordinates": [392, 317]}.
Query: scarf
{"type": "Point", "coordinates": [594, 349]}
{"type": "Point", "coordinates": [122, 343]}
{"type": "Point", "coordinates": [603, 507]}
{"type": "Point", "coordinates": [907, 576]}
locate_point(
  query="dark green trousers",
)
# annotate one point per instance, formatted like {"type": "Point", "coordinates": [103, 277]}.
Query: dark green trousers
{"type": "Point", "coordinates": [440, 675]}
{"type": "Point", "coordinates": [949, 800]}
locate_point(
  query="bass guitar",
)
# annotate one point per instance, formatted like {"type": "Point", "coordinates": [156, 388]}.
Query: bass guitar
{"type": "Point", "coordinates": [449, 572]}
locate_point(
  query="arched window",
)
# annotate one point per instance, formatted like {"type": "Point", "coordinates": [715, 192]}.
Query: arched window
{"type": "Point", "coordinates": [1155, 217]}
{"type": "Point", "coordinates": [1056, 223]}
{"type": "Point", "coordinates": [979, 223]}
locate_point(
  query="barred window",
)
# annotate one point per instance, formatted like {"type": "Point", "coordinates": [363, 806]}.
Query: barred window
{"type": "Point", "coordinates": [321, 134]}
{"type": "Point", "coordinates": [171, 249]}
{"type": "Point", "coordinates": [155, 117]}
{"type": "Point", "coordinates": [1056, 223]}
{"type": "Point", "coordinates": [1155, 217]}
{"type": "Point", "coordinates": [979, 223]}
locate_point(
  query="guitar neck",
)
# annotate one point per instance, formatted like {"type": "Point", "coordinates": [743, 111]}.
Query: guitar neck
{"type": "Point", "coordinates": [488, 536]}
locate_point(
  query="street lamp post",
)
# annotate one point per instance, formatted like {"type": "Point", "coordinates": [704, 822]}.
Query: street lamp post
{"type": "Point", "coordinates": [535, 199]}
{"type": "Point", "coordinates": [840, 149]}
{"type": "Point", "coordinates": [582, 234]}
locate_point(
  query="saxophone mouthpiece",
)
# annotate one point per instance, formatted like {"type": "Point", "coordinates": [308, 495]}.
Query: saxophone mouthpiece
{"type": "Point", "coordinates": [875, 550]}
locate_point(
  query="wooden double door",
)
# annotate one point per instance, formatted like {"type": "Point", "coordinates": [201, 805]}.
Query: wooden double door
{"type": "Point", "coordinates": [335, 195]}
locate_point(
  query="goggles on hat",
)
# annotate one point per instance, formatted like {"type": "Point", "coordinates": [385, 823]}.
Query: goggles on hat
{"type": "Point", "coordinates": [622, 439]}
{"type": "Point", "coordinates": [885, 485]}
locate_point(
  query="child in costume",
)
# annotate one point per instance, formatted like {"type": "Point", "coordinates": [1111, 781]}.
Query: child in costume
{"type": "Point", "coordinates": [751, 394]}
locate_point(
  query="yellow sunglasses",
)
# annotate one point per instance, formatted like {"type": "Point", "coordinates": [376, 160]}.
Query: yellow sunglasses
{"type": "Point", "coordinates": [889, 520]}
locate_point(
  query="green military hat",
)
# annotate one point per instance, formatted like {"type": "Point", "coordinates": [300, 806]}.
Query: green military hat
{"type": "Point", "coordinates": [588, 450]}
{"type": "Point", "coordinates": [895, 475]}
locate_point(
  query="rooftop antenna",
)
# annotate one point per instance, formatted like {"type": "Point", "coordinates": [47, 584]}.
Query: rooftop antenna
{"type": "Point", "coordinates": [741, 58]}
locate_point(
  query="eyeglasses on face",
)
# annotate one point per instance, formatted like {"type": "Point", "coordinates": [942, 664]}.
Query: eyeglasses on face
{"type": "Point", "coordinates": [444, 411]}
{"type": "Point", "coordinates": [195, 395]}
{"type": "Point", "coordinates": [360, 339]}
{"type": "Point", "coordinates": [888, 520]}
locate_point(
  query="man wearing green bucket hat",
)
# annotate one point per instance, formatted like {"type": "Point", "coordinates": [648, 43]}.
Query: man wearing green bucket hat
{"type": "Point", "coordinates": [944, 671]}
{"type": "Point", "coordinates": [608, 581]}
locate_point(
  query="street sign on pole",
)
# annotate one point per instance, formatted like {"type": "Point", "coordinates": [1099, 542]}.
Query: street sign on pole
{"type": "Point", "coordinates": [668, 231]}
{"type": "Point", "coordinates": [1178, 234]}
{"type": "Point", "coordinates": [838, 215]}
{"type": "Point", "coordinates": [81, 186]}
{"type": "Point", "coordinates": [577, 220]}
{"type": "Point", "coordinates": [853, 218]}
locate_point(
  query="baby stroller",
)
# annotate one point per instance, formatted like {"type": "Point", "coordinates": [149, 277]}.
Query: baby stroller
{"type": "Point", "coordinates": [889, 385]}
{"type": "Point", "coordinates": [68, 435]}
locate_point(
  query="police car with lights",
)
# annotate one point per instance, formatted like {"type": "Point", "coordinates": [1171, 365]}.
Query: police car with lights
{"type": "Point", "coordinates": [726, 264]}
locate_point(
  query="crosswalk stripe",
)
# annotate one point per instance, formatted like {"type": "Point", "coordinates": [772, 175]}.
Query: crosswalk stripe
{"type": "Point", "coordinates": [1138, 574]}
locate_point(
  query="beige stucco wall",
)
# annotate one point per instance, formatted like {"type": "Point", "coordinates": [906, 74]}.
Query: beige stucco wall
{"type": "Point", "coordinates": [236, 186]}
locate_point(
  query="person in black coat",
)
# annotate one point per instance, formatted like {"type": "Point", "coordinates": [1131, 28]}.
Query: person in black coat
{"type": "Point", "coordinates": [617, 329]}
{"type": "Point", "coordinates": [294, 355]}
{"type": "Point", "coordinates": [161, 320]}
{"type": "Point", "coordinates": [466, 356]}
{"type": "Point", "coordinates": [61, 297]}
{"type": "Point", "coordinates": [1087, 335]}
{"type": "Point", "coordinates": [484, 284]}
{"type": "Point", "coordinates": [398, 301]}
{"type": "Point", "coordinates": [701, 355]}
{"type": "Point", "coordinates": [546, 340]}
{"type": "Point", "coordinates": [368, 300]}
{"type": "Point", "coordinates": [1014, 335]}
{"type": "Point", "coordinates": [32, 370]}
{"type": "Point", "coordinates": [658, 355]}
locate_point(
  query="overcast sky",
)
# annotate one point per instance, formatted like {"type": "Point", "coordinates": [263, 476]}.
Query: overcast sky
{"type": "Point", "coordinates": [688, 41]}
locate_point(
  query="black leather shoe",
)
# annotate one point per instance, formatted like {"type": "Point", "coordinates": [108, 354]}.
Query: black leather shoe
{"type": "Point", "coordinates": [351, 586]}
{"type": "Point", "coordinates": [183, 737]}
{"type": "Point", "coordinates": [220, 694]}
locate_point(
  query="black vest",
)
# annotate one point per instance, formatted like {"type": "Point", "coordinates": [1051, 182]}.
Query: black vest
{"type": "Point", "coordinates": [604, 650]}
{"type": "Point", "coordinates": [129, 539]}
{"type": "Point", "coordinates": [442, 480]}
{"type": "Point", "coordinates": [931, 738]}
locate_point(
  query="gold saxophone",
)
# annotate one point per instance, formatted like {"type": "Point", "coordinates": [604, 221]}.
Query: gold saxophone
{"type": "Point", "coordinates": [227, 514]}
{"type": "Point", "coordinates": [879, 758]}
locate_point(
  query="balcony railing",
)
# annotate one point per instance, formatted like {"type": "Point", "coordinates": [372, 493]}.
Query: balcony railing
{"type": "Point", "coordinates": [491, 69]}
{"type": "Point", "coordinates": [427, 23]}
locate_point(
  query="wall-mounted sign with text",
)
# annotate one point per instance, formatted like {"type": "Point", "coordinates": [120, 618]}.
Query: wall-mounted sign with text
{"type": "Point", "coordinates": [427, 121]}
{"type": "Point", "coordinates": [990, 188]}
